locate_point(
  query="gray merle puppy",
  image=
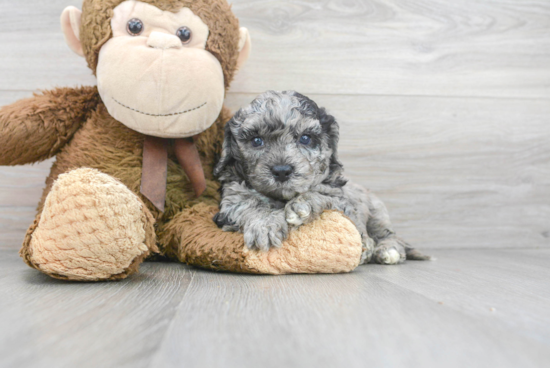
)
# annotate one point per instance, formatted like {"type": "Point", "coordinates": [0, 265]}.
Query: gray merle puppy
{"type": "Point", "coordinates": [279, 169]}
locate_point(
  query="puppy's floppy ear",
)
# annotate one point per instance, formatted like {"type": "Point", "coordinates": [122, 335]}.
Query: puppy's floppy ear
{"type": "Point", "coordinates": [332, 130]}
{"type": "Point", "coordinates": [229, 145]}
{"type": "Point", "coordinates": [230, 164]}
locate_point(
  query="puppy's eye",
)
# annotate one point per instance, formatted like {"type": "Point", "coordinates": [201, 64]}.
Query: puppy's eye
{"type": "Point", "coordinates": [257, 142]}
{"type": "Point", "coordinates": [305, 140]}
{"type": "Point", "coordinates": [134, 27]}
{"type": "Point", "coordinates": [184, 34]}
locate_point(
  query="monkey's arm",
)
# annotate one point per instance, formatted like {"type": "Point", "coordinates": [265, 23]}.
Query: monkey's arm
{"type": "Point", "coordinates": [36, 128]}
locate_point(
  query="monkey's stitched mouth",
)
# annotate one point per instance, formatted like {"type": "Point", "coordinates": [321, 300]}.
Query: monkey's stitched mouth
{"type": "Point", "coordinates": [158, 115]}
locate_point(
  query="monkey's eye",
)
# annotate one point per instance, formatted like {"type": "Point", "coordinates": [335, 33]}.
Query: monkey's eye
{"type": "Point", "coordinates": [305, 140]}
{"type": "Point", "coordinates": [184, 34]}
{"type": "Point", "coordinates": [257, 142]}
{"type": "Point", "coordinates": [134, 27]}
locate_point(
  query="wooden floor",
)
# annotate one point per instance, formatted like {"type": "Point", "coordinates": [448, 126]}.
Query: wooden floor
{"type": "Point", "coordinates": [482, 308]}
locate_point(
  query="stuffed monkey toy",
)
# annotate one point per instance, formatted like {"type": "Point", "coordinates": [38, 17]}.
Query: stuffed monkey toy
{"type": "Point", "coordinates": [134, 156]}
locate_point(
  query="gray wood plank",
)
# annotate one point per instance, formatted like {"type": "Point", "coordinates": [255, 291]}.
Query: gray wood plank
{"type": "Point", "coordinates": [8, 97]}
{"type": "Point", "coordinates": [20, 190]}
{"type": "Point", "coordinates": [504, 285]}
{"type": "Point", "coordinates": [361, 319]}
{"type": "Point", "coordinates": [454, 172]}
{"type": "Point", "coordinates": [50, 323]}
{"type": "Point", "coordinates": [33, 53]}
{"type": "Point", "coordinates": [14, 222]}
{"type": "Point", "coordinates": [429, 47]}
{"type": "Point", "coordinates": [475, 308]}
{"type": "Point", "coordinates": [22, 185]}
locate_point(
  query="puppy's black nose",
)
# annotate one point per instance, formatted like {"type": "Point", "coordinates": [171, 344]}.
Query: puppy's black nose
{"type": "Point", "coordinates": [282, 172]}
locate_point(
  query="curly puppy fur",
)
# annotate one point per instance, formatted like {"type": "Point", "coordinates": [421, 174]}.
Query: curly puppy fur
{"type": "Point", "coordinates": [279, 169]}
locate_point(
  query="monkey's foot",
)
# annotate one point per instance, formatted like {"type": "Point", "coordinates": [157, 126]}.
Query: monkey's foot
{"type": "Point", "coordinates": [92, 228]}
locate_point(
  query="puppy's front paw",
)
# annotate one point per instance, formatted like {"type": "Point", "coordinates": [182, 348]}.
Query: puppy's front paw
{"type": "Point", "coordinates": [298, 212]}
{"type": "Point", "coordinates": [264, 233]}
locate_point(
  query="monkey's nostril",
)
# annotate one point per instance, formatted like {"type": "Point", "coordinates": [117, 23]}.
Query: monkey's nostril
{"type": "Point", "coordinates": [282, 172]}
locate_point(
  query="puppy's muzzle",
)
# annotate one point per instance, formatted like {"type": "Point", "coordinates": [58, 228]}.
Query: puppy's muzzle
{"type": "Point", "coordinates": [282, 173]}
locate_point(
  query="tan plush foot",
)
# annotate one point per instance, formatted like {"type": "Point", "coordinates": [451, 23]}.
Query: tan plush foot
{"type": "Point", "coordinates": [92, 228]}
{"type": "Point", "coordinates": [331, 244]}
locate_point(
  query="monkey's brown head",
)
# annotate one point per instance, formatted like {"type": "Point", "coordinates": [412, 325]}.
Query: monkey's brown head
{"type": "Point", "coordinates": [162, 66]}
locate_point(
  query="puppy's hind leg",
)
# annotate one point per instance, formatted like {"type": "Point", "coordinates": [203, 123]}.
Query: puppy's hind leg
{"type": "Point", "coordinates": [368, 249]}
{"type": "Point", "coordinates": [389, 248]}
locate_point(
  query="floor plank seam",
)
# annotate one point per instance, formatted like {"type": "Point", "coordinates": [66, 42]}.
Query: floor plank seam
{"type": "Point", "coordinates": [166, 333]}
{"type": "Point", "coordinates": [473, 97]}
{"type": "Point", "coordinates": [397, 95]}
{"type": "Point", "coordinates": [486, 248]}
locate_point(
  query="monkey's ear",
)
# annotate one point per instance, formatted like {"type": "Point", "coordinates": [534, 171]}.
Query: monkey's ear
{"type": "Point", "coordinates": [245, 45]}
{"type": "Point", "coordinates": [228, 151]}
{"type": "Point", "coordinates": [71, 19]}
{"type": "Point", "coordinates": [332, 130]}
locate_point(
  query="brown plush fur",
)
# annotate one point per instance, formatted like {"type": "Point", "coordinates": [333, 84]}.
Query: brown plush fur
{"type": "Point", "coordinates": [74, 125]}
{"type": "Point", "coordinates": [107, 145]}
{"type": "Point", "coordinates": [198, 242]}
{"type": "Point", "coordinates": [329, 244]}
{"type": "Point", "coordinates": [36, 128]}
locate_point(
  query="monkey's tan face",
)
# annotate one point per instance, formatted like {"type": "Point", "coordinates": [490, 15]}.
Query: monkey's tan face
{"type": "Point", "coordinates": [155, 76]}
